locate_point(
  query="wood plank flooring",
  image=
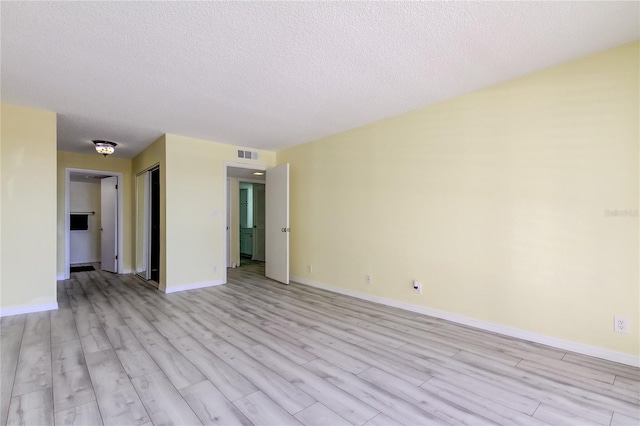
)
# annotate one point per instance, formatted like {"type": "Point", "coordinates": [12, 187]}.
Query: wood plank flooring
{"type": "Point", "coordinates": [257, 352]}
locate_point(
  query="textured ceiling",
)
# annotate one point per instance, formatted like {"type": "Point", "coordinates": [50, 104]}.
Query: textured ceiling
{"type": "Point", "coordinates": [270, 75]}
{"type": "Point", "coordinates": [245, 174]}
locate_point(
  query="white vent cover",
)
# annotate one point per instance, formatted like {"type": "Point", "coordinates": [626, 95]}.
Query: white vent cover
{"type": "Point", "coordinates": [249, 155]}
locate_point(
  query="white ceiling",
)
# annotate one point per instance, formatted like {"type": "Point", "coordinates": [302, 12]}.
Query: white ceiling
{"type": "Point", "coordinates": [244, 174]}
{"type": "Point", "coordinates": [86, 178]}
{"type": "Point", "coordinates": [270, 75]}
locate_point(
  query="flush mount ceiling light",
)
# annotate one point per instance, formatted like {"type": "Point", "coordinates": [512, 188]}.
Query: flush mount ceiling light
{"type": "Point", "coordinates": [258, 173]}
{"type": "Point", "coordinates": [105, 147]}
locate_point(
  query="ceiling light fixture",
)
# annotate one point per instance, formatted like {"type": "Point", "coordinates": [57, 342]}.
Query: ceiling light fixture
{"type": "Point", "coordinates": [105, 147]}
{"type": "Point", "coordinates": [258, 173]}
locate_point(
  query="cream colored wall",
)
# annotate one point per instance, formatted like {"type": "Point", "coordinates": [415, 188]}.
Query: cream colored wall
{"type": "Point", "coordinates": [494, 200]}
{"type": "Point", "coordinates": [96, 162]}
{"type": "Point", "coordinates": [28, 156]}
{"type": "Point", "coordinates": [155, 155]}
{"type": "Point", "coordinates": [195, 208]}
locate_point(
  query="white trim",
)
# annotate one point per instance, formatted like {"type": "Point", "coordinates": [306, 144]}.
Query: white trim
{"type": "Point", "coordinates": [555, 342]}
{"type": "Point", "coordinates": [127, 271]}
{"type": "Point", "coordinates": [193, 286]}
{"type": "Point", "coordinates": [67, 211]}
{"type": "Point", "coordinates": [84, 261]}
{"type": "Point", "coordinates": [249, 166]}
{"type": "Point", "coordinates": [28, 309]}
{"type": "Point", "coordinates": [60, 277]}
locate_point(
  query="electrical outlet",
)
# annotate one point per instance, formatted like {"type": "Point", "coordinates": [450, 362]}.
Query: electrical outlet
{"type": "Point", "coordinates": [368, 278]}
{"type": "Point", "coordinates": [620, 324]}
{"type": "Point", "coordinates": [417, 287]}
{"type": "Point", "coordinates": [310, 268]}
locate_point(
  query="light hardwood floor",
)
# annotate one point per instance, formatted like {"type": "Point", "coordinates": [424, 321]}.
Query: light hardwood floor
{"type": "Point", "coordinates": [258, 352]}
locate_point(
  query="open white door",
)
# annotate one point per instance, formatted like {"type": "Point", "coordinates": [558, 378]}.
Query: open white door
{"type": "Point", "coordinates": [108, 226]}
{"type": "Point", "coordinates": [277, 224]}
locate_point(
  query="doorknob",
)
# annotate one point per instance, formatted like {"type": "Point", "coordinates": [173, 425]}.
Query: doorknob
{"type": "Point", "coordinates": [100, 229]}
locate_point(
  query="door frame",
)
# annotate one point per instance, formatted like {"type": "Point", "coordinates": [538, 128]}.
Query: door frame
{"type": "Point", "coordinates": [67, 212]}
{"type": "Point", "coordinates": [227, 201]}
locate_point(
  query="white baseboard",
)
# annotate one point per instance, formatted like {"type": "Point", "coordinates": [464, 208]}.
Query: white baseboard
{"type": "Point", "coordinates": [83, 262]}
{"type": "Point", "coordinates": [555, 342]}
{"type": "Point", "coordinates": [127, 271]}
{"type": "Point", "coordinates": [60, 278]}
{"type": "Point", "coordinates": [28, 309]}
{"type": "Point", "coordinates": [193, 286]}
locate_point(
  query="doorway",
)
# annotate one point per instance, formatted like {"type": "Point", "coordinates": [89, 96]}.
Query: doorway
{"type": "Point", "coordinates": [147, 236]}
{"type": "Point", "coordinates": [93, 220]}
{"type": "Point", "coordinates": [251, 223]}
{"type": "Point", "coordinates": [257, 204]}
{"type": "Point", "coordinates": [245, 218]}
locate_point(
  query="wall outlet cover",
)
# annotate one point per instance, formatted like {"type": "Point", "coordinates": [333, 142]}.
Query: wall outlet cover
{"type": "Point", "coordinates": [620, 324]}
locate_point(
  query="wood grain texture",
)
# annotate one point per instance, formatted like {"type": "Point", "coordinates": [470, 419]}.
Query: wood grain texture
{"type": "Point", "coordinates": [35, 408]}
{"type": "Point", "coordinates": [382, 420]}
{"type": "Point", "coordinates": [211, 406]}
{"type": "Point", "coordinates": [319, 415]}
{"type": "Point", "coordinates": [134, 358]}
{"type": "Point", "coordinates": [11, 329]}
{"type": "Point", "coordinates": [117, 399]}
{"type": "Point", "coordinates": [257, 352]}
{"type": "Point", "coordinates": [389, 404]}
{"type": "Point", "coordinates": [72, 387]}
{"type": "Point", "coordinates": [478, 404]}
{"type": "Point", "coordinates": [261, 410]}
{"type": "Point", "coordinates": [178, 369]}
{"type": "Point", "coordinates": [429, 402]}
{"type": "Point", "coordinates": [33, 371]}
{"type": "Point", "coordinates": [162, 401]}
{"type": "Point", "coordinates": [224, 377]}
{"type": "Point", "coordinates": [554, 416]}
{"type": "Point", "coordinates": [81, 415]}
{"type": "Point", "coordinates": [290, 397]}
{"type": "Point", "coordinates": [344, 404]}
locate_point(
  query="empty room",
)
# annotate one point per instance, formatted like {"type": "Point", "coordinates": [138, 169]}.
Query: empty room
{"type": "Point", "coordinates": [320, 213]}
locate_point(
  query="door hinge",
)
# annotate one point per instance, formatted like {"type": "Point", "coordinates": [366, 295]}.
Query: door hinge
{"type": "Point", "coordinates": [116, 257]}
{"type": "Point", "coordinates": [116, 186]}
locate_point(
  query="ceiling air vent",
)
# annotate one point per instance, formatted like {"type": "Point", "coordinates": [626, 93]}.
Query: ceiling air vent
{"type": "Point", "coordinates": [248, 155]}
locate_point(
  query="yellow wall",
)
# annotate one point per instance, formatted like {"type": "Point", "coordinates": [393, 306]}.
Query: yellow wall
{"type": "Point", "coordinates": [494, 200]}
{"type": "Point", "coordinates": [96, 162]}
{"type": "Point", "coordinates": [195, 208]}
{"type": "Point", "coordinates": [28, 156]}
{"type": "Point", "coordinates": [155, 155]}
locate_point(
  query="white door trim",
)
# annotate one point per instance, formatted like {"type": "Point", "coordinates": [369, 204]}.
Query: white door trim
{"type": "Point", "coordinates": [67, 212]}
{"type": "Point", "coordinates": [146, 233]}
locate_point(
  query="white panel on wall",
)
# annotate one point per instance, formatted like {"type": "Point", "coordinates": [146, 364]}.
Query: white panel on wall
{"type": "Point", "coordinates": [85, 245]}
